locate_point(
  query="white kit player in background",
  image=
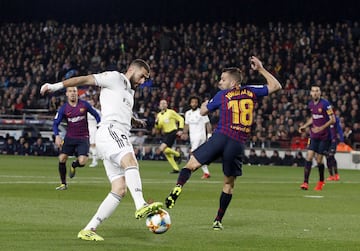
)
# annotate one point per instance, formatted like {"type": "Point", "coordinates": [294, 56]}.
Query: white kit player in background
{"type": "Point", "coordinates": [198, 128]}
{"type": "Point", "coordinates": [92, 124]}
{"type": "Point", "coordinates": [112, 140]}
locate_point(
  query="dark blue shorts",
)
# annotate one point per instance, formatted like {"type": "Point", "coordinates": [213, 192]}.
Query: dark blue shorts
{"type": "Point", "coordinates": [319, 146]}
{"type": "Point", "coordinates": [219, 145]}
{"type": "Point", "coordinates": [75, 147]}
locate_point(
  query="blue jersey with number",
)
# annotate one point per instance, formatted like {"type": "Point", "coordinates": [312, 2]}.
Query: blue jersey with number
{"type": "Point", "coordinates": [236, 110]}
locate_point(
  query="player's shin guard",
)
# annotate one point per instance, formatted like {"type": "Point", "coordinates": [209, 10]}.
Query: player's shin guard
{"type": "Point", "coordinates": [62, 172]}
{"type": "Point", "coordinates": [225, 199]}
{"type": "Point", "coordinates": [184, 175]}
{"type": "Point", "coordinates": [321, 172]}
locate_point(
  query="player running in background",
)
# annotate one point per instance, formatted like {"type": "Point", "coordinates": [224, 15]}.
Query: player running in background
{"type": "Point", "coordinates": [198, 128]}
{"type": "Point", "coordinates": [236, 104]}
{"type": "Point", "coordinates": [92, 134]}
{"type": "Point", "coordinates": [337, 135]}
{"type": "Point", "coordinates": [170, 124]}
{"type": "Point", "coordinates": [322, 116]}
{"type": "Point", "coordinates": [112, 140]}
{"type": "Point", "coordinates": [76, 141]}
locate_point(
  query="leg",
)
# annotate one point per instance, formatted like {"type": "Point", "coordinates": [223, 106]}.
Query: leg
{"type": "Point", "coordinates": [184, 175]}
{"type": "Point", "coordinates": [307, 169]}
{"type": "Point", "coordinates": [134, 184]}
{"type": "Point", "coordinates": [79, 162]}
{"type": "Point", "coordinates": [62, 171]}
{"type": "Point", "coordinates": [109, 204]}
{"type": "Point", "coordinates": [225, 199]}
{"type": "Point", "coordinates": [321, 167]}
{"type": "Point", "coordinates": [93, 155]}
{"type": "Point", "coordinates": [206, 172]}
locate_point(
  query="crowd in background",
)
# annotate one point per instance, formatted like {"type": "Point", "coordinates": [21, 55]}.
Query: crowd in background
{"type": "Point", "coordinates": [186, 60]}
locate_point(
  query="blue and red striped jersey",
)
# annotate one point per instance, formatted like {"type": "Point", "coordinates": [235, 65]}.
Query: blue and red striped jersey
{"type": "Point", "coordinates": [236, 110]}
{"type": "Point", "coordinates": [320, 113]}
{"type": "Point", "coordinates": [76, 118]}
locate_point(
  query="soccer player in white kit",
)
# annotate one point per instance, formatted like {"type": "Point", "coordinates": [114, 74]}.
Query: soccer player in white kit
{"type": "Point", "coordinates": [199, 129]}
{"type": "Point", "coordinates": [112, 139]}
{"type": "Point", "coordinates": [92, 125]}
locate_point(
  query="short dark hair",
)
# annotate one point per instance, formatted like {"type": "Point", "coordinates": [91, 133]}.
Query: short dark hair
{"type": "Point", "coordinates": [194, 97]}
{"type": "Point", "coordinates": [141, 63]}
{"type": "Point", "coordinates": [235, 73]}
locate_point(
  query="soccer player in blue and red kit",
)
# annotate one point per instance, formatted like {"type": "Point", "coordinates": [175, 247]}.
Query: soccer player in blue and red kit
{"type": "Point", "coordinates": [236, 104]}
{"type": "Point", "coordinates": [337, 135]}
{"type": "Point", "coordinates": [322, 116]}
{"type": "Point", "coordinates": [76, 141]}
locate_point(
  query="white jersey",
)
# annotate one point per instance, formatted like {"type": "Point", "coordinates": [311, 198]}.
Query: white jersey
{"type": "Point", "coordinates": [196, 123]}
{"type": "Point", "coordinates": [116, 99]}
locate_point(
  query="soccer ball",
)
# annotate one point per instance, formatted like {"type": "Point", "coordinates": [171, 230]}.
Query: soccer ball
{"type": "Point", "coordinates": [159, 222]}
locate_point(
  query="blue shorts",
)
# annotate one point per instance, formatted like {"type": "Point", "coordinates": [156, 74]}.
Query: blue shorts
{"type": "Point", "coordinates": [75, 147]}
{"type": "Point", "coordinates": [219, 145]}
{"type": "Point", "coordinates": [319, 146]}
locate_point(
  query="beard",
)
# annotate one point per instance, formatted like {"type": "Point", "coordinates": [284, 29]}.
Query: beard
{"type": "Point", "coordinates": [133, 82]}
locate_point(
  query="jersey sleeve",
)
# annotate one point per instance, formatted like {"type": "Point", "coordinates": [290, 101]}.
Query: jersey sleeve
{"type": "Point", "coordinates": [259, 90]}
{"type": "Point", "coordinates": [215, 102]}
{"type": "Point", "coordinates": [57, 120]}
{"type": "Point", "coordinates": [339, 130]}
{"type": "Point", "coordinates": [178, 118]}
{"type": "Point", "coordinates": [92, 111]}
{"type": "Point", "coordinates": [107, 79]}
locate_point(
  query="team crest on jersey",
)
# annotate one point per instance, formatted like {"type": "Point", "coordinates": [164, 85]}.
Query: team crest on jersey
{"type": "Point", "coordinates": [320, 110]}
{"type": "Point", "coordinates": [82, 110]}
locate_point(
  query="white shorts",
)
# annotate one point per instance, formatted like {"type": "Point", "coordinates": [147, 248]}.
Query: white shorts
{"type": "Point", "coordinates": [92, 134]}
{"type": "Point", "coordinates": [111, 145]}
{"type": "Point", "coordinates": [195, 142]}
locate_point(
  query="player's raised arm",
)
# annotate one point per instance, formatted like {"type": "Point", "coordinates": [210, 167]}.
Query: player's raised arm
{"type": "Point", "coordinates": [71, 82]}
{"type": "Point", "coordinates": [273, 84]}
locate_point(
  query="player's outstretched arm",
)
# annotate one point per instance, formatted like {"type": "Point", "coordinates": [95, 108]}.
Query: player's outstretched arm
{"type": "Point", "coordinates": [71, 82]}
{"type": "Point", "coordinates": [273, 84]}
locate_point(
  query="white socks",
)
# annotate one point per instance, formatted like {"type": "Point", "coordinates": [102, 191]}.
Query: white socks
{"type": "Point", "coordinates": [133, 182]}
{"type": "Point", "coordinates": [104, 211]}
{"type": "Point", "coordinates": [93, 154]}
{"type": "Point", "coordinates": [205, 169]}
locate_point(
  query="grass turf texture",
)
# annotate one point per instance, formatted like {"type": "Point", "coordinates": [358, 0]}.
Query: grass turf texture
{"type": "Point", "coordinates": [268, 210]}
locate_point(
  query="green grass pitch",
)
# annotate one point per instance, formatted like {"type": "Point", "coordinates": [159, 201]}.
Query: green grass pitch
{"type": "Point", "coordinates": [268, 210]}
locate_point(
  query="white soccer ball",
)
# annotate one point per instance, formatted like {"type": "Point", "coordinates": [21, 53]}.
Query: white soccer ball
{"type": "Point", "coordinates": [159, 222]}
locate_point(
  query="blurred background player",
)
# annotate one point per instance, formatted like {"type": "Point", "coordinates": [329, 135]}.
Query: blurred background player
{"type": "Point", "coordinates": [337, 135]}
{"type": "Point", "coordinates": [198, 128]}
{"type": "Point", "coordinates": [92, 124]}
{"type": "Point", "coordinates": [170, 124]}
{"type": "Point", "coordinates": [322, 116]}
{"type": "Point", "coordinates": [76, 141]}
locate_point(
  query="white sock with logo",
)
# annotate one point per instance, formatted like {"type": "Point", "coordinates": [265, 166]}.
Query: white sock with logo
{"type": "Point", "coordinates": [133, 182]}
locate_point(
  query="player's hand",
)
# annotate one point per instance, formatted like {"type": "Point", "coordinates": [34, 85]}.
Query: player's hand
{"type": "Point", "coordinates": [49, 88]}
{"type": "Point", "coordinates": [139, 122]}
{"type": "Point", "coordinates": [179, 133]}
{"type": "Point", "coordinates": [301, 129]}
{"type": "Point", "coordinates": [255, 63]}
{"type": "Point", "coordinates": [184, 136]}
{"type": "Point", "coordinates": [315, 129]}
{"type": "Point", "coordinates": [44, 88]}
{"type": "Point", "coordinates": [58, 141]}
